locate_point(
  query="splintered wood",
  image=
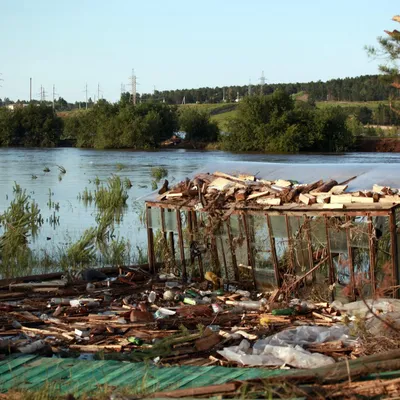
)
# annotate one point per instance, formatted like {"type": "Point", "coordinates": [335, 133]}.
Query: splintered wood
{"type": "Point", "coordinates": [249, 191]}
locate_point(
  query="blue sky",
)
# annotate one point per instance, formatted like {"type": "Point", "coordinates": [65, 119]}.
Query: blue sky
{"type": "Point", "coordinates": [183, 44]}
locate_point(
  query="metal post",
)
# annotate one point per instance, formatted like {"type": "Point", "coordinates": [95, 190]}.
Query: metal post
{"type": "Point", "coordinates": [393, 251]}
{"type": "Point", "coordinates": [150, 242]}
{"type": "Point", "coordinates": [249, 251]}
{"type": "Point", "coordinates": [181, 245]}
{"type": "Point", "coordinates": [233, 254]}
{"type": "Point", "coordinates": [350, 259]}
{"type": "Point", "coordinates": [372, 255]}
{"type": "Point", "coordinates": [273, 252]}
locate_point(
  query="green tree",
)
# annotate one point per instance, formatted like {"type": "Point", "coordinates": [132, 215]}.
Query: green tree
{"type": "Point", "coordinates": [197, 125]}
{"type": "Point", "coordinates": [389, 49]}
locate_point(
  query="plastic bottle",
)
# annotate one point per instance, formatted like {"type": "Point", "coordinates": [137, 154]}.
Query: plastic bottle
{"type": "Point", "coordinates": [152, 297]}
{"type": "Point", "coordinates": [248, 304]}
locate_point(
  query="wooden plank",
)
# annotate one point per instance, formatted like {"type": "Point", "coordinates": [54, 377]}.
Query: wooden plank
{"type": "Point", "coordinates": [271, 201]}
{"type": "Point", "coordinates": [333, 206]}
{"type": "Point", "coordinates": [341, 199]}
{"type": "Point", "coordinates": [258, 194]}
{"type": "Point", "coordinates": [338, 189]}
{"type": "Point", "coordinates": [331, 265]}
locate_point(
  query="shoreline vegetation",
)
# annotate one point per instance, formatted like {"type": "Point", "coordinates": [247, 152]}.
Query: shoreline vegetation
{"type": "Point", "coordinates": [276, 123]}
{"type": "Point", "coordinates": [334, 116]}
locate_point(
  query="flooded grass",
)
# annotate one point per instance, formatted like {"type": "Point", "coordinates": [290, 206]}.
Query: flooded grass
{"type": "Point", "coordinates": [159, 173]}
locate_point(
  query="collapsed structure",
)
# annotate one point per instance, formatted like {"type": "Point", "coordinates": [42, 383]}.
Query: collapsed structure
{"type": "Point", "coordinates": [332, 226]}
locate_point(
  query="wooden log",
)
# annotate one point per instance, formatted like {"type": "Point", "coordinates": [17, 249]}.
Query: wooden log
{"type": "Point", "coordinates": [326, 187]}
{"type": "Point", "coordinates": [308, 188]}
{"type": "Point", "coordinates": [211, 390]}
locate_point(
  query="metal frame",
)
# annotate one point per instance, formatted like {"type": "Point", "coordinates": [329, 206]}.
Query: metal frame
{"type": "Point", "coordinates": [306, 212]}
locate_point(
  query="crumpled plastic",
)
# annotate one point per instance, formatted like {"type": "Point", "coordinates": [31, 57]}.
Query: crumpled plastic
{"type": "Point", "coordinates": [286, 347]}
{"type": "Point", "coordinates": [359, 308]}
{"type": "Point", "coordinates": [303, 335]}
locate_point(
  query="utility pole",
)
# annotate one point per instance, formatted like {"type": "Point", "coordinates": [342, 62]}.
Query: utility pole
{"type": "Point", "coordinates": [223, 95]}
{"type": "Point", "coordinates": [42, 93]}
{"type": "Point", "coordinates": [98, 91]}
{"type": "Point", "coordinates": [54, 96]}
{"type": "Point", "coordinates": [86, 95]}
{"type": "Point", "coordinates": [249, 88]}
{"type": "Point", "coordinates": [262, 83]}
{"type": "Point", "coordinates": [133, 86]}
{"type": "Point", "coordinates": [30, 90]}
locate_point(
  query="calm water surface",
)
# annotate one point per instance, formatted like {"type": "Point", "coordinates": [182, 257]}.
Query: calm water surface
{"type": "Point", "coordinates": [84, 165]}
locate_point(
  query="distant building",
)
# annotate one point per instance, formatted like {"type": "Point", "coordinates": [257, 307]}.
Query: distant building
{"type": "Point", "coordinates": [16, 105]}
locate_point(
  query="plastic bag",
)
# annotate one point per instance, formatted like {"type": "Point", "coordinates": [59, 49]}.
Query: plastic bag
{"type": "Point", "coordinates": [306, 335]}
{"type": "Point", "coordinates": [360, 309]}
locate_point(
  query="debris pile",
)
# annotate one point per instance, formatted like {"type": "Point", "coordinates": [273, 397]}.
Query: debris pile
{"type": "Point", "coordinates": [219, 190]}
{"type": "Point", "coordinates": [135, 316]}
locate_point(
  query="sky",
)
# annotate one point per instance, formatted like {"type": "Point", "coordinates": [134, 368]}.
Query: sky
{"type": "Point", "coordinates": [175, 44]}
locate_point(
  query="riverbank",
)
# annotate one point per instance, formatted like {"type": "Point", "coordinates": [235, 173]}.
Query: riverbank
{"type": "Point", "coordinates": [378, 145]}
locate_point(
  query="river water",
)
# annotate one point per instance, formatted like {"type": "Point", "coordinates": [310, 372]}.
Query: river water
{"type": "Point", "coordinates": [82, 166]}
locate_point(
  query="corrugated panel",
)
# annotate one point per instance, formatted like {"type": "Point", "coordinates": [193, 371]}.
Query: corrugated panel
{"type": "Point", "coordinates": [79, 376]}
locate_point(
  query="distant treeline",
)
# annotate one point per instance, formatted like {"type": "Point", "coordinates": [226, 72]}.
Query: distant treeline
{"type": "Point", "coordinates": [275, 122]}
{"type": "Point", "coordinates": [362, 88]}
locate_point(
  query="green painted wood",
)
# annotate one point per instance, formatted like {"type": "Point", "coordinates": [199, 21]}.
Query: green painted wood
{"type": "Point", "coordinates": [80, 376]}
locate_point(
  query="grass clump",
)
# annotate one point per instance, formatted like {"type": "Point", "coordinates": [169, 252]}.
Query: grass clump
{"type": "Point", "coordinates": [159, 173]}
{"type": "Point", "coordinates": [20, 221]}
{"type": "Point", "coordinates": [112, 196]}
{"type": "Point", "coordinates": [127, 183]}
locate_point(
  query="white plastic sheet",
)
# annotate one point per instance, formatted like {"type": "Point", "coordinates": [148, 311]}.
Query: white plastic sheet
{"type": "Point", "coordinates": [286, 347]}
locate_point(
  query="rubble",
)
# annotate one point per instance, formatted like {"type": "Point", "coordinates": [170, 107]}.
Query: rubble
{"type": "Point", "coordinates": [205, 190]}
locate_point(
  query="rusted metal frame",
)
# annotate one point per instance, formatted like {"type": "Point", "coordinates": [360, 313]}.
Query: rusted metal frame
{"type": "Point", "coordinates": [214, 248]}
{"type": "Point", "coordinates": [350, 260]}
{"type": "Point", "coordinates": [163, 228]}
{"type": "Point", "coordinates": [181, 245]}
{"type": "Point", "coordinates": [330, 260]}
{"type": "Point", "coordinates": [150, 242]}
{"type": "Point", "coordinates": [191, 237]}
{"type": "Point", "coordinates": [224, 259]}
{"type": "Point", "coordinates": [233, 254]}
{"type": "Point", "coordinates": [290, 242]}
{"type": "Point", "coordinates": [273, 251]}
{"type": "Point", "coordinates": [372, 255]}
{"type": "Point", "coordinates": [279, 210]}
{"type": "Point", "coordinates": [393, 251]}
{"type": "Point", "coordinates": [250, 258]}
{"type": "Point", "coordinates": [307, 224]}
{"type": "Point", "coordinates": [196, 229]}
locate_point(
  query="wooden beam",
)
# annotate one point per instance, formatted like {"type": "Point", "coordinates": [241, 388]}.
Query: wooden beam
{"type": "Point", "coordinates": [181, 245]}
{"type": "Point", "coordinates": [290, 242]}
{"type": "Point", "coordinates": [307, 224]}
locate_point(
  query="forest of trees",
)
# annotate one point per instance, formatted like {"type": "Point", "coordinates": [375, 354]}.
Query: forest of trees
{"type": "Point", "coordinates": [276, 123]}
{"type": "Point", "coordinates": [362, 88]}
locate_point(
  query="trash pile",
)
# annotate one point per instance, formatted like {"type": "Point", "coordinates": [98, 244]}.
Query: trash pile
{"type": "Point", "coordinates": [135, 316]}
{"type": "Point", "coordinates": [219, 190]}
